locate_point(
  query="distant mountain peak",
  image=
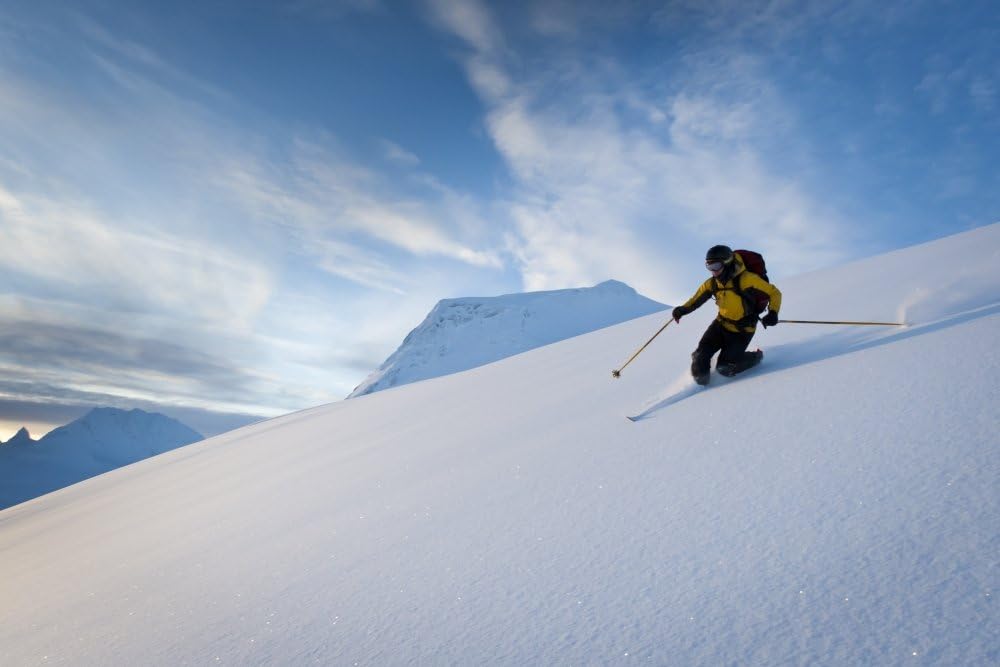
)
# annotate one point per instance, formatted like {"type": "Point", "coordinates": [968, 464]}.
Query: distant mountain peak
{"type": "Point", "coordinates": [105, 430]}
{"type": "Point", "coordinates": [615, 285]}
{"type": "Point", "coordinates": [22, 437]}
{"type": "Point", "coordinates": [99, 441]}
{"type": "Point", "coordinates": [463, 333]}
{"type": "Point", "coordinates": [105, 412]}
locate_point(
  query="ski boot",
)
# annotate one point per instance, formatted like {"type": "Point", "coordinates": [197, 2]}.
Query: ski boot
{"type": "Point", "coordinates": [750, 359]}
{"type": "Point", "coordinates": [700, 368]}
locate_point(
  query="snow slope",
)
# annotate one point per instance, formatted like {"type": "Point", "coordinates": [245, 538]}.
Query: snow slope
{"type": "Point", "coordinates": [836, 506]}
{"type": "Point", "coordinates": [101, 440]}
{"type": "Point", "coordinates": [459, 334]}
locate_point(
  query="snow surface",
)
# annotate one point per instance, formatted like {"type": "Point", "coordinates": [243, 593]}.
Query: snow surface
{"type": "Point", "coordinates": [101, 440]}
{"type": "Point", "coordinates": [459, 334]}
{"type": "Point", "coordinates": [835, 506]}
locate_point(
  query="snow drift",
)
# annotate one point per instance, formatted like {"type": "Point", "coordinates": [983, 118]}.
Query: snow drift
{"type": "Point", "coordinates": [835, 506]}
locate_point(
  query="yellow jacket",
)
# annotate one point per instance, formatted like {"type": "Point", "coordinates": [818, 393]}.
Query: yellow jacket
{"type": "Point", "coordinates": [733, 313]}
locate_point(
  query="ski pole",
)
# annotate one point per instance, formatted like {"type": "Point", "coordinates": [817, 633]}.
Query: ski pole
{"type": "Point", "coordinates": [617, 373]}
{"type": "Point", "coordinates": [873, 324]}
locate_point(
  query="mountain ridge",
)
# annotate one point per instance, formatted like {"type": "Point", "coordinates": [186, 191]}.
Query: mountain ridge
{"type": "Point", "coordinates": [466, 332]}
{"type": "Point", "coordinates": [101, 440]}
{"type": "Point", "coordinates": [21, 438]}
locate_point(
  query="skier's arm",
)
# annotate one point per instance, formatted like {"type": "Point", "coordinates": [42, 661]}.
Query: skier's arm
{"type": "Point", "coordinates": [700, 297]}
{"type": "Point", "coordinates": [703, 294]}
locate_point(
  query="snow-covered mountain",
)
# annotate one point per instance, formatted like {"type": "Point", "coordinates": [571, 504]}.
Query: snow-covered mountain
{"type": "Point", "coordinates": [22, 437]}
{"type": "Point", "coordinates": [101, 440]}
{"type": "Point", "coordinates": [835, 506]}
{"type": "Point", "coordinates": [459, 334]}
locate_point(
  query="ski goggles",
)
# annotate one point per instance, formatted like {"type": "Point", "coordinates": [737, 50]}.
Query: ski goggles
{"type": "Point", "coordinates": [715, 266]}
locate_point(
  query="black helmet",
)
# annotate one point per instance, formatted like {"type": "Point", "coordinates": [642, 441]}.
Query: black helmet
{"type": "Point", "coordinates": [719, 253]}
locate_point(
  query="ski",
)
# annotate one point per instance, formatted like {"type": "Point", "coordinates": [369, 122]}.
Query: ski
{"type": "Point", "coordinates": [691, 390]}
{"type": "Point", "coordinates": [661, 403]}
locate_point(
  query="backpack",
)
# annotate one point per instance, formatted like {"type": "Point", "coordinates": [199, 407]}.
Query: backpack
{"type": "Point", "coordinates": [754, 262]}
{"type": "Point", "coordinates": [754, 301]}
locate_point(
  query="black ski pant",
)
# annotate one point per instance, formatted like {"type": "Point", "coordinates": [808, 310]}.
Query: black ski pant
{"type": "Point", "coordinates": [730, 346]}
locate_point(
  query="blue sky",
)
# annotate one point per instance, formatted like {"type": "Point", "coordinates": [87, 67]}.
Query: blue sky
{"type": "Point", "coordinates": [221, 209]}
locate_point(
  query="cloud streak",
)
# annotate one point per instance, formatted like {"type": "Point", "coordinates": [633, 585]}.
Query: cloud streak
{"type": "Point", "coordinates": [163, 217]}
{"type": "Point", "coordinates": [71, 361]}
{"type": "Point", "coordinates": [326, 202]}
{"type": "Point", "coordinates": [133, 201]}
{"type": "Point", "coordinates": [604, 167]}
{"type": "Point", "coordinates": [67, 245]}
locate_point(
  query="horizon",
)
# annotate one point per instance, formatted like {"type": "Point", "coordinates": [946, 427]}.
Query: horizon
{"type": "Point", "coordinates": [36, 436]}
{"type": "Point", "coordinates": [235, 211]}
{"type": "Point", "coordinates": [197, 416]}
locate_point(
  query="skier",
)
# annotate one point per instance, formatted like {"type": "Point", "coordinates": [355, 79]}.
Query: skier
{"type": "Point", "coordinates": [733, 288]}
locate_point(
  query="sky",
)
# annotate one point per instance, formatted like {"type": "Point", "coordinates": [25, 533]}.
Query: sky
{"type": "Point", "coordinates": [231, 210]}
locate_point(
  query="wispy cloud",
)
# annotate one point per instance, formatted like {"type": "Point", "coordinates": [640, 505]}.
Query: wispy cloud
{"type": "Point", "coordinates": [946, 84]}
{"type": "Point", "coordinates": [135, 204]}
{"type": "Point", "coordinates": [326, 201]}
{"type": "Point", "coordinates": [577, 19]}
{"type": "Point", "coordinates": [348, 262]}
{"type": "Point", "coordinates": [54, 351]}
{"type": "Point", "coordinates": [139, 68]}
{"type": "Point", "coordinates": [983, 91]}
{"type": "Point", "coordinates": [315, 188]}
{"type": "Point", "coordinates": [470, 21]}
{"type": "Point", "coordinates": [399, 155]}
{"type": "Point", "coordinates": [68, 245]}
{"type": "Point", "coordinates": [773, 23]}
{"type": "Point", "coordinates": [331, 9]}
{"type": "Point", "coordinates": [602, 190]}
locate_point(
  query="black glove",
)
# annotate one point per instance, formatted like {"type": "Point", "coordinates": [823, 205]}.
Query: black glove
{"type": "Point", "coordinates": [679, 312]}
{"type": "Point", "coordinates": [770, 319]}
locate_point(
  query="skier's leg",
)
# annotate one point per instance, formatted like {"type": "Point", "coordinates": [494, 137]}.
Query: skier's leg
{"type": "Point", "coordinates": [701, 359]}
{"type": "Point", "coordinates": [734, 358]}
